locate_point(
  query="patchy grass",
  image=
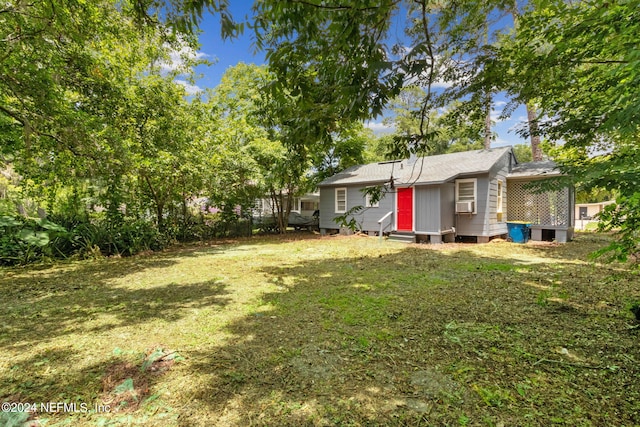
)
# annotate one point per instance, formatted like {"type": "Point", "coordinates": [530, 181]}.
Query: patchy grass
{"type": "Point", "coordinates": [304, 330]}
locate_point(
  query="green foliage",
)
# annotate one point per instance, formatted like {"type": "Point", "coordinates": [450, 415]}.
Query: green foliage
{"type": "Point", "coordinates": [165, 145]}
{"type": "Point", "coordinates": [623, 217]}
{"type": "Point", "coordinates": [27, 240]}
{"type": "Point", "coordinates": [265, 147]}
{"type": "Point", "coordinates": [95, 125]}
{"type": "Point", "coordinates": [88, 120]}
{"type": "Point", "coordinates": [14, 419]}
{"type": "Point", "coordinates": [125, 386]}
{"type": "Point", "coordinates": [251, 148]}
{"type": "Point", "coordinates": [573, 64]}
{"type": "Point", "coordinates": [379, 149]}
{"type": "Point", "coordinates": [152, 358]}
{"type": "Point", "coordinates": [24, 240]}
{"type": "Point", "coordinates": [614, 174]}
{"type": "Point", "coordinates": [493, 396]}
{"type": "Point", "coordinates": [348, 219]}
{"type": "Point", "coordinates": [332, 58]}
{"type": "Point", "coordinates": [458, 129]}
{"type": "Point", "coordinates": [522, 153]}
{"type": "Point", "coordinates": [576, 59]}
{"type": "Point", "coordinates": [185, 16]}
{"type": "Point", "coordinates": [347, 148]}
{"type": "Point", "coordinates": [594, 195]}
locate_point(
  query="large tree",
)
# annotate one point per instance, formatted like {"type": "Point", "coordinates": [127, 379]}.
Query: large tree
{"type": "Point", "coordinates": [360, 65]}
{"type": "Point", "coordinates": [266, 148]}
{"type": "Point", "coordinates": [165, 152]}
{"type": "Point", "coordinates": [253, 156]}
{"type": "Point", "coordinates": [65, 67]}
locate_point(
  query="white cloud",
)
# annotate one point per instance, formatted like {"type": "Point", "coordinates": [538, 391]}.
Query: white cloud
{"type": "Point", "coordinates": [379, 127]}
{"type": "Point", "coordinates": [521, 123]}
{"type": "Point", "coordinates": [189, 88]}
{"type": "Point", "coordinates": [496, 111]}
{"type": "Point", "coordinates": [439, 84]}
{"type": "Point", "coordinates": [501, 142]}
{"type": "Point", "coordinates": [178, 58]}
{"type": "Point", "coordinates": [495, 116]}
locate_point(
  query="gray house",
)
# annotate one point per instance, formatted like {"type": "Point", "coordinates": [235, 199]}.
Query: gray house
{"type": "Point", "coordinates": [438, 198]}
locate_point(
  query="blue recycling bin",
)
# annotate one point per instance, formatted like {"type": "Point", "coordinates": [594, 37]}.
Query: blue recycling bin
{"type": "Point", "coordinates": [519, 231]}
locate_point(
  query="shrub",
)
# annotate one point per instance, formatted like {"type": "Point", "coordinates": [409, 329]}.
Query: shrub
{"type": "Point", "coordinates": [24, 240]}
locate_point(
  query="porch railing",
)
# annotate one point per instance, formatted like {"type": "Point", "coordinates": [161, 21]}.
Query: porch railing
{"type": "Point", "coordinates": [381, 222]}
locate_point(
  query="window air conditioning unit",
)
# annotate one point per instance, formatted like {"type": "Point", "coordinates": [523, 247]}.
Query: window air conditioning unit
{"type": "Point", "coordinates": [464, 207]}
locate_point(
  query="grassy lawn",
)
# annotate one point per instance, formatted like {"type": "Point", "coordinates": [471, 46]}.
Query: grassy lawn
{"type": "Point", "coordinates": [306, 330]}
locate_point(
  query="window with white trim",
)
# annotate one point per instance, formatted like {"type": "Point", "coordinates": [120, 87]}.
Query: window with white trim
{"type": "Point", "coordinates": [341, 200]}
{"type": "Point", "coordinates": [368, 202]}
{"type": "Point", "coordinates": [295, 206]}
{"type": "Point", "coordinates": [466, 191]}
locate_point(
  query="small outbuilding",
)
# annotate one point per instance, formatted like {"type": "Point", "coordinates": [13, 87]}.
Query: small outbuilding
{"type": "Point", "coordinates": [464, 195]}
{"type": "Point", "coordinates": [549, 213]}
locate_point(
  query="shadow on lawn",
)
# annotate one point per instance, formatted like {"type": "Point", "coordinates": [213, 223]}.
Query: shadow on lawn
{"type": "Point", "coordinates": [581, 248]}
{"type": "Point", "coordinates": [424, 336]}
{"type": "Point", "coordinates": [46, 377]}
{"type": "Point", "coordinates": [82, 299]}
{"type": "Point", "coordinates": [45, 304]}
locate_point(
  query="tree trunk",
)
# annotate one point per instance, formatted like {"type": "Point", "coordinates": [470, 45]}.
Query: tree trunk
{"type": "Point", "coordinates": [183, 229]}
{"type": "Point", "coordinates": [158, 201]}
{"type": "Point", "coordinates": [532, 119]}
{"type": "Point", "coordinates": [276, 198]}
{"type": "Point", "coordinates": [487, 100]}
{"type": "Point", "coordinates": [160, 214]}
{"type": "Point", "coordinates": [536, 150]}
{"type": "Point", "coordinates": [287, 211]}
{"type": "Point", "coordinates": [487, 122]}
{"type": "Point", "coordinates": [282, 223]}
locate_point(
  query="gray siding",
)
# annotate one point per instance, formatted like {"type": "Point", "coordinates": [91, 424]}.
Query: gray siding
{"type": "Point", "coordinates": [427, 208]}
{"type": "Point", "coordinates": [447, 206]}
{"type": "Point", "coordinates": [474, 224]}
{"type": "Point", "coordinates": [367, 218]}
{"type": "Point", "coordinates": [485, 221]}
{"type": "Point", "coordinates": [498, 173]}
{"type": "Point", "coordinates": [327, 207]}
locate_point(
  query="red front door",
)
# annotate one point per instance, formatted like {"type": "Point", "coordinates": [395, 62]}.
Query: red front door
{"type": "Point", "coordinates": [405, 209]}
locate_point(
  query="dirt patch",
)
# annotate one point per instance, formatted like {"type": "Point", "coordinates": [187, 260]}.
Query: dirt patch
{"type": "Point", "coordinates": [433, 383]}
{"type": "Point", "coordinates": [126, 385]}
{"type": "Point", "coordinates": [316, 363]}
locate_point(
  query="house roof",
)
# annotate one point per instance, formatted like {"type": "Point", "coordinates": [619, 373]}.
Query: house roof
{"type": "Point", "coordinates": [422, 170]}
{"type": "Point", "coordinates": [582, 205]}
{"type": "Point", "coordinates": [541, 169]}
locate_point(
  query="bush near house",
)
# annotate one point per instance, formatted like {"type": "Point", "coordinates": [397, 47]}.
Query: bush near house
{"type": "Point", "coordinates": [27, 240]}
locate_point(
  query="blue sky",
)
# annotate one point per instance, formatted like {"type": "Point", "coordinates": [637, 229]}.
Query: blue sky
{"type": "Point", "coordinates": [227, 53]}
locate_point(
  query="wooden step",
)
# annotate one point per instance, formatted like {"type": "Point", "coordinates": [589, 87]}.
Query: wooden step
{"type": "Point", "coordinates": [402, 237]}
